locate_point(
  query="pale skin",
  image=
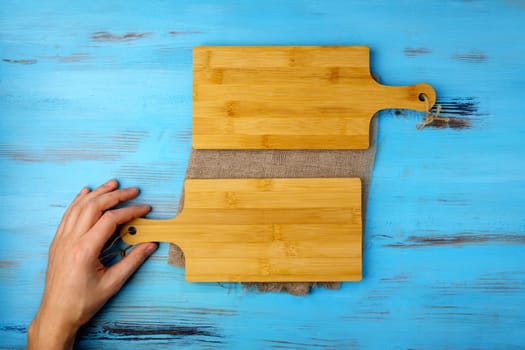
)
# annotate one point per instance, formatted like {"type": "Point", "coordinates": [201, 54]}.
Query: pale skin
{"type": "Point", "coordinates": [77, 284]}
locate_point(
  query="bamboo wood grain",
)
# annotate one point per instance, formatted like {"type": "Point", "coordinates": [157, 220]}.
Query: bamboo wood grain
{"type": "Point", "coordinates": [256, 230]}
{"type": "Point", "coordinates": [290, 97]}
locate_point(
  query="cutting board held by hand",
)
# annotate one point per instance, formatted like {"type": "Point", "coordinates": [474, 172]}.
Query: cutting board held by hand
{"type": "Point", "coordinates": [290, 97]}
{"type": "Point", "coordinates": [262, 230]}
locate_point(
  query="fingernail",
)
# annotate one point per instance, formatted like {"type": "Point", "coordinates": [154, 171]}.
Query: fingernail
{"type": "Point", "coordinates": [151, 248]}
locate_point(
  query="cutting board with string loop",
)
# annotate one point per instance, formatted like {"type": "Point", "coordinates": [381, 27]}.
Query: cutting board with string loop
{"type": "Point", "coordinates": [291, 97]}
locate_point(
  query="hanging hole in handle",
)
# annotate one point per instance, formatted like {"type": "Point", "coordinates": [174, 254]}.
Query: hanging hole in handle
{"type": "Point", "coordinates": [422, 97]}
{"type": "Point", "coordinates": [132, 230]}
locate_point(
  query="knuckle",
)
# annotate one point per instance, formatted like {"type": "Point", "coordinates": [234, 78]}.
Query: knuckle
{"type": "Point", "coordinates": [93, 207]}
{"type": "Point", "coordinates": [91, 203]}
{"type": "Point", "coordinates": [110, 216]}
{"type": "Point", "coordinates": [122, 195]}
{"type": "Point", "coordinates": [74, 210]}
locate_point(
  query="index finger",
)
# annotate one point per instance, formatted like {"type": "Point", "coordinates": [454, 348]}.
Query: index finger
{"type": "Point", "coordinates": [98, 235]}
{"type": "Point", "coordinates": [93, 209]}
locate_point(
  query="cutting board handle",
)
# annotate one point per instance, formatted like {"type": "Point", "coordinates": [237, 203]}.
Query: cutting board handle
{"type": "Point", "coordinates": [407, 97]}
{"type": "Point", "coordinates": [149, 230]}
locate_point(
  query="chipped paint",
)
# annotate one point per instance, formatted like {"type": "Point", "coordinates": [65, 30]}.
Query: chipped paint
{"type": "Point", "coordinates": [463, 238]}
{"type": "Point", "coordinates": [462, 113]}
{"type": "Point", "coordinates": [54, 155]}
{"type": "Point", "coordinates": [20, 61]}
{"type": "Point", "coordinates": [460, 106]}
{"type": "Point", "coordinates": [110, 37]}
{"type": "Point", "coordinates": [57, 205]}
{"type": "Point", "coordinates": [179, 309]}
{"type": "Point", "coordinates": [399, 278]}
{"type": "Point", "coordinates": [14, 328]}
{"type": "Point", "coordinates": [144, 331]}
{"type": "Point", "coordinates": [184, 136]}
{"type": "Point", "coordinates": [183, 32]}
{"type": "Point", "coordinates": [413, 52]}
{"type": "Point", "coordinates": [7, 264]}
{"type": "Point", "coordinates": [74, 57]}
{"type": "Point", "coordinates": [453, 123]}
{"type": "Point", "coordinates": [88, 147]}
{"type": "Point", "coordinates": [471, 57]}
{"type": "Point", "coordinates": [317, 343]}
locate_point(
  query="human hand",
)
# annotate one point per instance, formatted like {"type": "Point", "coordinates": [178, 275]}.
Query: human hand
{"type": "Point", "coordinates": [77, 283]}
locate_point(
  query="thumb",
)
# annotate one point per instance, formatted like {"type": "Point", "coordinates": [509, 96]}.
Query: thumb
{"type": "Point", "coordinates": [119, 273]}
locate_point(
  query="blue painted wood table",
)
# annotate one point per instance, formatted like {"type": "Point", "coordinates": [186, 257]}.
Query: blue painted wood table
{"type": "Point", "coordinates": [101, 89]}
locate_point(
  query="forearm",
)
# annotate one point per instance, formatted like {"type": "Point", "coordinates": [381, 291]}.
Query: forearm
{"type": "Point", "coordinates": [44, 333]}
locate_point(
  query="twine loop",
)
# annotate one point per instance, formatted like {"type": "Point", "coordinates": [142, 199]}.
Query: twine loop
{"type": "Point", "coordinates": [429, 116]}
{"type": "Point", "coordinates": [106, 253]}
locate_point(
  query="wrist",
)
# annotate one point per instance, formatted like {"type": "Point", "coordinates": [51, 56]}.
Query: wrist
{"type": "Point", "coordinates": [47, 333]}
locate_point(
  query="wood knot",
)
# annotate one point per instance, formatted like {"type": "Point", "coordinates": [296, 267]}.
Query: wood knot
{"type": "Point", "coordinates": [232, 108]}
{"type": "Point", "coordinates": [334, 75]}
{"type": "Point", "coordinates": [292, 55]}
{"type": "Point", "coordinates": [265, 141]}
{"type": "Point", "coordinates": [217, 76]}
{"type": "Point", "coordinates": [231, 200]}
{"type": "Point", "coordinates": [265, 185]}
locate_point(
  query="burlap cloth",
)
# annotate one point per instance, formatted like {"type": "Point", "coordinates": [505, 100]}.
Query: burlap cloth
{"type": "Point", "coordinates": [228, 164]}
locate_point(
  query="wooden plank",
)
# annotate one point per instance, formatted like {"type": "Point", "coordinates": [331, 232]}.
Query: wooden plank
{"type": "Point", "coordinates": [298, 248]}
{"type": "Point", "coordinates": [290, 97]}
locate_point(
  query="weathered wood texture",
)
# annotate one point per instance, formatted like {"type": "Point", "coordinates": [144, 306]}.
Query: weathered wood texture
{"type": "Point", "coordinates": [291, 97]}
{"type": "Point", "coordinates": [96, 89]}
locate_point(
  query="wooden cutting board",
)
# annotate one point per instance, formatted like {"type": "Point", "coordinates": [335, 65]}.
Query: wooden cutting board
{"type": "Point", "coordinates": [257, 230]}
{"type": "Point", "coordinates": [290, 97]}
